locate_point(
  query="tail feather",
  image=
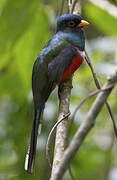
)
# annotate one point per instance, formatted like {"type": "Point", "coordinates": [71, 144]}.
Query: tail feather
{"type": "Point", "coordinates": [33, 142]}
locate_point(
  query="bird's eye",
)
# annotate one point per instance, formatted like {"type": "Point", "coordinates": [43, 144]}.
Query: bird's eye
{"type": "Point", "coordinates": [71, 23]}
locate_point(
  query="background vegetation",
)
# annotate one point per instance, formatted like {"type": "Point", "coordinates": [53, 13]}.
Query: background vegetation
{"type": "Point", "coordinates": [25, 27]}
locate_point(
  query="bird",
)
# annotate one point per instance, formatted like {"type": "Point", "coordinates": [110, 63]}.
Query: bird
{"type": "Point", "coordinates": [57, 62]}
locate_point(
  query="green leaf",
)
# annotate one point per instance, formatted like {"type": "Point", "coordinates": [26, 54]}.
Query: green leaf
{"type": "Point", "coordinates": [21, 41]}
{"type": "Point", "coordinates": [101, 19]}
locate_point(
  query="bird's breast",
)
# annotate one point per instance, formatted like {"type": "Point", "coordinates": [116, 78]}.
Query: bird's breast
{"type": "Point", "coordinates": [76, 62]}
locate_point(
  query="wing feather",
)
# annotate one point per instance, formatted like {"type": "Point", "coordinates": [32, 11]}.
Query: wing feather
{"type": "Point", "coordinates": [61, 62]}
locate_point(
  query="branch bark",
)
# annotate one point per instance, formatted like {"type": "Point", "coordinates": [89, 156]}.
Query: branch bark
{"type": "Point", "coordinates": [86, 126]}
{"type": "Point", "coordinates": [76, 7]}
{"type": "Point", "coordinates": [62, 128]}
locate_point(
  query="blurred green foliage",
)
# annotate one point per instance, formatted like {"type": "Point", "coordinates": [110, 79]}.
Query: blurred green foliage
{"type": "Point", "coordinates": [25, 27]}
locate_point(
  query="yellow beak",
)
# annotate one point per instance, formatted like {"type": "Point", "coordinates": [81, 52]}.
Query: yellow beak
{"type": "Point", "coordinates": [83, 23]}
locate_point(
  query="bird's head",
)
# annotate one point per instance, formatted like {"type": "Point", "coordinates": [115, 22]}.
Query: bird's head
{"type": "Point", "coordinates": [70, 22]}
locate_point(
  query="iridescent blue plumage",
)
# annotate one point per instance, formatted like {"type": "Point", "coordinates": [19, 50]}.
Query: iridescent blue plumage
{"type": "Point", "coordinates": [54, 60]}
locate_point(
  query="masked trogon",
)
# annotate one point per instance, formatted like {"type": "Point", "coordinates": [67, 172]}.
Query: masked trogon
{"type": "Point", "coordinates": [59, 59]}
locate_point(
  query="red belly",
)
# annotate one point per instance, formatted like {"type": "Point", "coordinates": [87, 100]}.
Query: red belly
{"type": "Point", "coordinates": [76, 62]}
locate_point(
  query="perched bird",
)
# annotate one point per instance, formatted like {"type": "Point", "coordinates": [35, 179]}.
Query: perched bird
{"type": "Point", "coordinates": [59, 59]}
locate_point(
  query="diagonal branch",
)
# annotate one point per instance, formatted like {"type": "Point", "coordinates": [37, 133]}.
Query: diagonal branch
{"type": "Point", "coordinates": [86, 126]}
{"type": "Point", "coordinates": [99, 87]}
{"type": "Point", "coordinates": [86, 98]}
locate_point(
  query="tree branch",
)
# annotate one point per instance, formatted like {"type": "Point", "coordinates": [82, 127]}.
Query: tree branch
{"type": "Point", "coordinates": [50, 136]}
{"type": "Point", "coordinates": [85, 100]}
{"type": "Point", "coordinates": [99, 87]}
{"type": "Point", "coordinates": [86, 126]}
{"type": "Point", "coordinates": [76, 7]}
{"type": "Point", "coordinates": [62, 128]}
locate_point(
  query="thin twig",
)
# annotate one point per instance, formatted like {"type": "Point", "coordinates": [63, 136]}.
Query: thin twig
{"type": "Point", "coordinates": [99, 87]}
{"type": "Point", "coordinates": [76, 7]}
{"type": "Point", "coordinates": [73, 6]}
{"type": "Point", "coordinates": [88, 97]}
{"type": "Point", "coordinates": [71, 173]}
{"type": "Point", "coordinates": [85, 127]}
{"type": "Point", "coordinates": [62, 7]}
{"type": "Point", "coordinates": [92, 70]}
{"type": "Point", "coordinates": [50, 136]}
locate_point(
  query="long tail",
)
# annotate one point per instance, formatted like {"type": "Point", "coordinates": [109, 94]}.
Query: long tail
{"type": "Point", "coordinates": [30, 156]}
